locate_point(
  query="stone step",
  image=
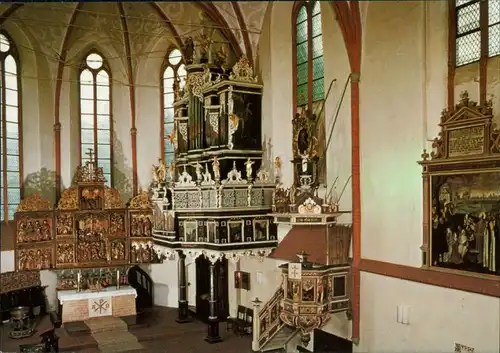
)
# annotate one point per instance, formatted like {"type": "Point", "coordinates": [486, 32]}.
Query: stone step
{"type": "Point", "coordinates": [116, 341]}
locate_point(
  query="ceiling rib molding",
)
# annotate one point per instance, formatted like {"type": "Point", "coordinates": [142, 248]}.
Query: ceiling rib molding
{"type": "Point", "coordinates": [244, 31]}
{"type": "Point", "coordinates": [131, 87]}
{"type": "Point", "coordinates": [168, 23]}
{"type": "Point", "coordinates": [57, 97]}
{"type": "Point", "coordinates": [215, 16]}
{"type": "Point", "coordinates": [7, 13]}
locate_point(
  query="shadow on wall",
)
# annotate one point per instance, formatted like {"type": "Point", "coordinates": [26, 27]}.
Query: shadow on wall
{"type": "Point", "coordinates": [43, 182]}
{"type": "Point", "coordinates": [122, 173]}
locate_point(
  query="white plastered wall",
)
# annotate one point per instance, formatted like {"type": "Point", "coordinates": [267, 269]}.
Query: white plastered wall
{"type": "Point", "coordinates": [403, 90]}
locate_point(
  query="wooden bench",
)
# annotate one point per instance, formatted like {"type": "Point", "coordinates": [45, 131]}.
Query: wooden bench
{"type": "Point", "coordinates": [243, 322]}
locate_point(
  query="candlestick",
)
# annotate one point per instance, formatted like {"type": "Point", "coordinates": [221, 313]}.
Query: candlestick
{"type": "Point", "coordinates": [118, 279]}
{"type": "Point", "coordinates": [78, 281]}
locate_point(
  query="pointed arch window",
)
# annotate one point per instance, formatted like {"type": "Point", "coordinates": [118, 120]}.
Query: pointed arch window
{"type": "Point", "coordinates": [96, 123]}
{"type": "Point", "coordinates": [173, 69]}
{"type": "Point", "coordinates": [309, 69]}
{"type": "Point", "coordinates": [309, 62]}
{"type": "Point", "coordinates": [11, 128]}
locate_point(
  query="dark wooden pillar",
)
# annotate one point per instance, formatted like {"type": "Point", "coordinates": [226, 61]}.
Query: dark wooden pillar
{"type": "Point", "coordinates": [183, 314]}
{"type": "Point", "coordinates": [213, 321]}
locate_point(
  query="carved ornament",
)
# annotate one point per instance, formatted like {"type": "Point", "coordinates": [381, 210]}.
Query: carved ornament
{"type": "Point", "coordinates": [243, 71]}
{"type": "Point", "coordinates": [112, 198]}
{"type": "Point", "coordinates": [34, 202]}
{"type": "Point", "coordinates": [141, 202]}
{"type": "Point", "coordinates": [13, 281]}
{"type": "Point", "coordinates": [69, 199]}
{"type": "Point", "coordinates": [466, 131]}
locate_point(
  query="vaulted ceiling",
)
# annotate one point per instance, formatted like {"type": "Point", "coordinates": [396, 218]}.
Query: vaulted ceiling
{"type": "Point", "coordinates": [133, 28]}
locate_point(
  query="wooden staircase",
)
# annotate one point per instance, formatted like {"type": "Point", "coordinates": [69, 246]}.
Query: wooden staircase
{"type": "Point", "coordinates": [270, 333]}
{"type": "Point", "coordinates": [143, 284]}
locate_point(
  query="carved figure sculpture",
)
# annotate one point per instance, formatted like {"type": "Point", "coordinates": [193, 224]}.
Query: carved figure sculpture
{"type": "Point", "coordinates": [249, 171]}
{"type": "Point", "coordinates": [216, 168]}
{"type": "Point", "coordinates": [199, 176]}
{"type": "Point", "coordinates": [188, 50]}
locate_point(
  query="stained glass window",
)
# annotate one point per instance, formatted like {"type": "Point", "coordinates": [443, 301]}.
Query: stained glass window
{"type": "Point", "coordinates": [469, 27]}
{"type": "Point", "coordinates": [174, 69]}
{"type": "Point", "coordinates": [309, 62]}
{"type": "Point", "coordinates": [95, 114]}
{"type": "Point", "coordinates": [10, 132]}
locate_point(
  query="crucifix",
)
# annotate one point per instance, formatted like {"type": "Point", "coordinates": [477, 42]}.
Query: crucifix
{"type": "Point", "coordinates": [91, 154]}
{"type": "Point", "coordinates": [295, 271]}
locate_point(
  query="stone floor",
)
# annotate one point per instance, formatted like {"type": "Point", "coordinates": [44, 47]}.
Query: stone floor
{"type": "Point", "coordinates": [157, 332]}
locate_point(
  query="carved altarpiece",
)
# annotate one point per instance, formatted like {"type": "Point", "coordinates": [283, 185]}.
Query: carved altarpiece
{"type": "Point", "coordinates": [461, 185]}
{"type": "Point", "coordinates": [90, 227]}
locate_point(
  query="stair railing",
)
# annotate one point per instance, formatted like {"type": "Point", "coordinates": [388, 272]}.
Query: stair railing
{"type": "Point", "coordinates": [268, 320]}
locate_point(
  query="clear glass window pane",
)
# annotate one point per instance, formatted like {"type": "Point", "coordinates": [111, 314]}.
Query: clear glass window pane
{"type": "Point", "coordinates": [318, 68]}
{"type": "Point", "coordinates": [168, 80]}
{"type": "Point", "coordinates": [11, 97]}
{"type": "Point", "coordinates": [168, 129]}
{"type": "Point", "coordinates": [302, 95]}
{"type": "Point", "coordinates": [302, 15]}
{"type": "Point", "coordinates": [4, 44]}
{"type": "Point", "coordinates": [103, 137]}
{"type": "Point", "coordinates": [86, 77]}
{"type": "Point", "coordinates": [301, 32]}
{"type": "Point", "coordinates": [103, 122]}
{"type": "Point", "coordinates": [175, 57]}
{"type": "Point", "coordinates": [103, 107]}
{"type": "Point", "coordinates": [13, 196]}
{"type": "Point", "coordinates": [11, 114]}
{"type": "Point", "coordinates": [302, 53]}
{"type": "Point", "coordinates": [468, 18]}
{"type": "Point", "coordinates": [102, 79]}
{"type": "Point", "coordinates": [169, 115]}
{"type": "Point", "coordinates": [87, 106]}
{"type": "Point", "coordinates": [85, 149]}
{"type": "Point", "coordinates": [103, 92]}
{"type": "Point", "coordinates": [94, 61]}
{"type": "Point", "coordinates": [169, 158]}
{"type": "Point", "coordinates": [493, 11]}
{"type": "Point", "coordinates": [168, 100]}
{"type": "Point", "coordinates": [105, 164]}
{"type": "Point", "coordinates": [12, 163]}
{"type": "Point", "coordinates": [12, 146]}
{"type": "Point", "coordinates": [87, 121]}
{"type": "Point", "coordinates": [13, 180]}
{"type": "Point", "coordinates": [12, 130]}
{"type": "Point", "coordinates": [302, 72]}
{"type": "Point", "coordinates": [10, 73]}
{"type": "Point", "coordinates": [87, 136]}
{"type": "Point", "coordinates": [468, 48]}
{"type": "Point", "coordinates": [494, 40]}
{"type": "Point", "coordinates": [104, 151]}
{"type": "Point", "coordinates": [317, 46]}
{"type": "Point", "coordinates": [318, 90]}
{"type": "Point", "coordinates": [316, 25]}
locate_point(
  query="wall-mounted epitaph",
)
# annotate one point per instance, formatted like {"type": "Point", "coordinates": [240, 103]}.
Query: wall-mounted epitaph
{"type": "Point", "coordinates": [90, 227]}
{"type": "Point", "coordinates": [461, 179]}
{"type": "Point", "coordinates": [466, 141]}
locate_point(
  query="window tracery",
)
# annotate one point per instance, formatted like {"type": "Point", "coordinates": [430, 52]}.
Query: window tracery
{"type": "Point", "coordinates": [96, 125]}
{"type": "Point", "coordinates": [10, 131]}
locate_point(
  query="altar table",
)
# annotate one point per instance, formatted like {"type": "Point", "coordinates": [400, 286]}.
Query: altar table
{"type": "Point", "coordinates": [83, 305]}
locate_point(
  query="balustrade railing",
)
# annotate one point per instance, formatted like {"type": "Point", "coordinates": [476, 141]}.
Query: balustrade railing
{"type": "Point", "coordinates": [269, 321]}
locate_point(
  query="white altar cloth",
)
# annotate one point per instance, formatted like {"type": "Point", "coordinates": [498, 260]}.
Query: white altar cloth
{"type": "Point", "coordinates": [71, 295]}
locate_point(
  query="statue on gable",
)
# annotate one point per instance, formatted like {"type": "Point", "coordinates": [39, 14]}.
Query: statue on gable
{"type": "Point", "coordinates": [188, 50]}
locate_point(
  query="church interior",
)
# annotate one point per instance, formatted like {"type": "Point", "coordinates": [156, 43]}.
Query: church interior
{"type": "Point", "coordinates": [257, 176]}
